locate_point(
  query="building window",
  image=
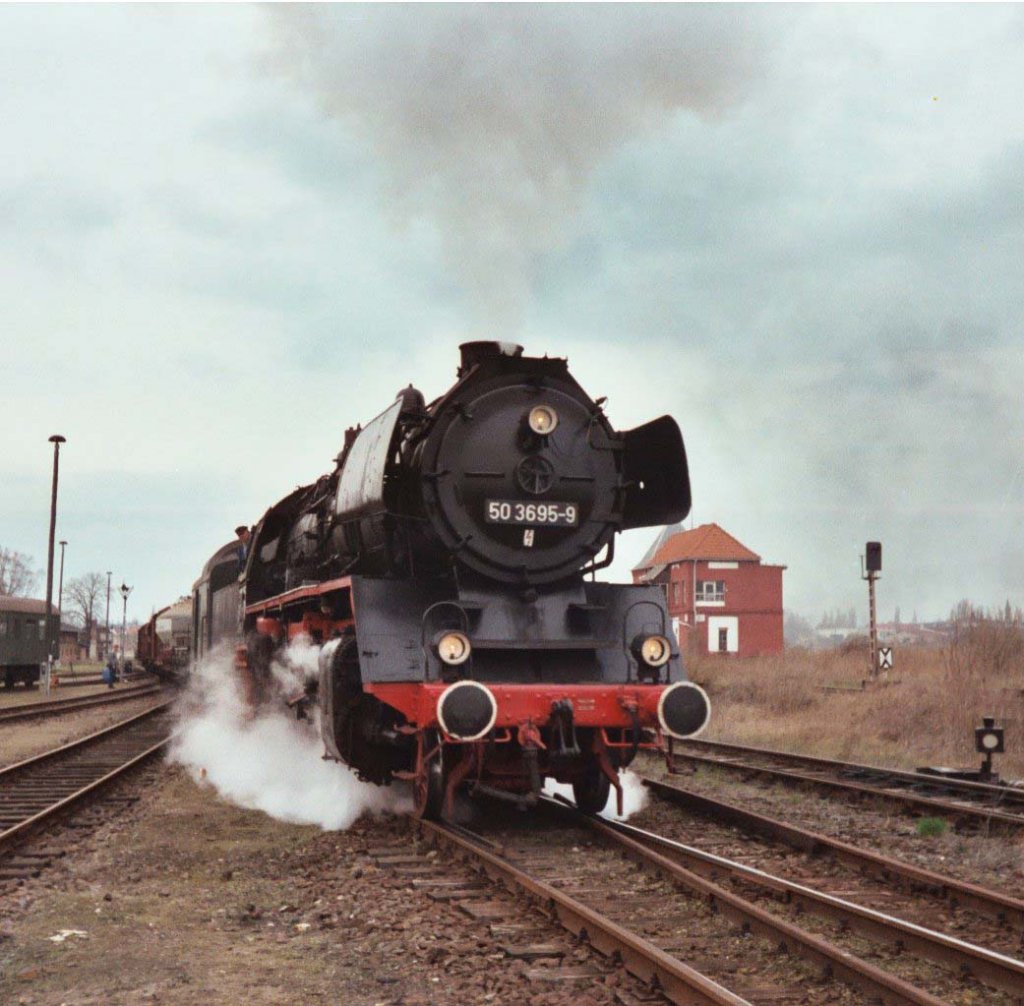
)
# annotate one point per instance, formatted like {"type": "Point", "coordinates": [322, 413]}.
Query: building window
{"type": "Point", "coordinates": [710, 590]}
{"type": "Point", "coordinates": [677, 594]}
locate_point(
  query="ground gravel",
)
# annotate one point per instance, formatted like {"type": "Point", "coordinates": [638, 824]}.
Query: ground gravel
{"type": "Point", "coordinates": [185, 899]}
{"type": "Point", "coordinates": [19, 741]}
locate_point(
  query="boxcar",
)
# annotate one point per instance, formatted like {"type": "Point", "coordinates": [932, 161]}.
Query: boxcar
{"type": "Point", "coordinates": [165, 641]}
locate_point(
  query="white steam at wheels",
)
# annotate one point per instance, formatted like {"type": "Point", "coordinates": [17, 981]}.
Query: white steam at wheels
{"type": "Point", "coordinates": [266, 759]}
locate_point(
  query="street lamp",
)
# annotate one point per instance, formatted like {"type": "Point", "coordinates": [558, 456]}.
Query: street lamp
{"type": "Point", "coordinates": [60, 595]}
{"type": "Point", "coordinates": [125, 591]}
{"type": "Point", "coordinates": [106, 638]}
{"type": "Point", "coordinates": [56, 440]}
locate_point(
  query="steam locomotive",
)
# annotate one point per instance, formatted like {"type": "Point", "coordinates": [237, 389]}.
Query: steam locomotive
{"type": "Point", "coordinates": [446, 566]}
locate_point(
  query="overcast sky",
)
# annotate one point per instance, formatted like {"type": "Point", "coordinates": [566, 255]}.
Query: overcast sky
{"type": "Point", "coordinates": [227, 233]}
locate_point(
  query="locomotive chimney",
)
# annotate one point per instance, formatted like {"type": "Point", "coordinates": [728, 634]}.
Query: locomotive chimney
{"type": "Point", "coordinates": [476, 352]}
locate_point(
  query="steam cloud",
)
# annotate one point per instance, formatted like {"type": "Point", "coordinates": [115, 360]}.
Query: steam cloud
{"type": "Point", "coordinates": [270, 762]}
{"type": "Point", "coordinates": [489, 120]}
{"type": "Point", "coordinates": [635, 795]}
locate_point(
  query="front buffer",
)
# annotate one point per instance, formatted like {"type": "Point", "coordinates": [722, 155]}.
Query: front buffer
{"type": "Point", "coordinates": [503, 740]}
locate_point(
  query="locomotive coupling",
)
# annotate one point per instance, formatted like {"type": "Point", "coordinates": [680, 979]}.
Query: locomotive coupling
{"type": "Point", "coordinates": [684, 710]}
{"type": "Point", "coordinates": [467, 710]}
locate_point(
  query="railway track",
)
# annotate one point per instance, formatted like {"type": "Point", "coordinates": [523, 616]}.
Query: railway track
{"type": "Point", "coordinates": [37, 710]}
{"type": "Point", "coordinates": [35, 792]}
{"type": "Point", "coordinates": [703, 928]}
{"type": "Point", "coordinates": [714, 823]}
{"type": "Point", "coordinates": [963, 801]}
{"type": "Point", "coordinates": [872, 909]}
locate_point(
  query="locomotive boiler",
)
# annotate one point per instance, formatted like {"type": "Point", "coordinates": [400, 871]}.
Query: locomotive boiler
{"type": "Point", "coordinates": [446, 565]}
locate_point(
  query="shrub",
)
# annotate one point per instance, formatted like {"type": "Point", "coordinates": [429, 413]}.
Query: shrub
{"type": "Point", "coordinates": [931, 827]}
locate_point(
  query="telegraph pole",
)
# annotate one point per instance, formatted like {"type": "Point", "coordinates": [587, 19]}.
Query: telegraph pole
{"type": "Point", "coordinates": [106, 638]}
{"type": "Point", "coordinates": [60, 595]}
{"type": "Point", "coordinates": [56, 440]}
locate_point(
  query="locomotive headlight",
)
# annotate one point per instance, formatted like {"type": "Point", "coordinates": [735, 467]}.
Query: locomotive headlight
{"type": "Point", "coordinates": [453, 648]}
{"type": "Point", "coordinates": [542, 420]}
{"type": "Point", "coordinates": [655, 651]}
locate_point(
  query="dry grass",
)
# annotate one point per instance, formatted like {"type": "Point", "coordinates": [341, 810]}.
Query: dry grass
{"type": "Point", "coordinates": [925, 715]}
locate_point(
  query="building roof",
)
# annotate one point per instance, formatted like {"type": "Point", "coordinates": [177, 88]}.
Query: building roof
{"type": "Point", "coordinates": [24, 605]}
{"type": "Point", "coordinates": [708, 543]}
{"type": "Point", "coordinates": [666, 533]}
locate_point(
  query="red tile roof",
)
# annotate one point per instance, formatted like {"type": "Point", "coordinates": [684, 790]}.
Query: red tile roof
{"type": "Point", "coordinates": [707, 543]}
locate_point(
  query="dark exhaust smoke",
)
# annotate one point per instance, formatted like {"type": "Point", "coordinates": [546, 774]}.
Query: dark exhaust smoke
{"type": "Point", "coordinates": [489, 120]}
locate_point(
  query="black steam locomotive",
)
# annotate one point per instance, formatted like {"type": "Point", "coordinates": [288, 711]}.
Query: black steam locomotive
{"type": "Point", "coordinates": [443, 565]}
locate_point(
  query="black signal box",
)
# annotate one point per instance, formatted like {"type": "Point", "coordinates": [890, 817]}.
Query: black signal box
{"type": "Point", "coordinates": [873, 551]}
{"type": "Point", "coordinates": [988, 739]}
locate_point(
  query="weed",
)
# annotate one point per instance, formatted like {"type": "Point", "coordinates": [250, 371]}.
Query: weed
{"type": "Point", "coordinates": [927, 718]}
{"type": "Point", "coordinates": [931, 827]}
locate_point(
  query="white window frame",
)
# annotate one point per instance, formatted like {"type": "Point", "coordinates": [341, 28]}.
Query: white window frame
{"type": "Point", "coordinates": [714, 596]}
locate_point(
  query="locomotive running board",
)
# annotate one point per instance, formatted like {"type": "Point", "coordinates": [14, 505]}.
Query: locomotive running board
{"type": "Point", "coordinates": [279, 601]}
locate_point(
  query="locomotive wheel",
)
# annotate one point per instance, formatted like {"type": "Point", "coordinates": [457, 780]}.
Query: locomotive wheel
{"type": "Point", "coordinates": [591, 789]}
{"type": "Point", "coordinates": [428, 786]}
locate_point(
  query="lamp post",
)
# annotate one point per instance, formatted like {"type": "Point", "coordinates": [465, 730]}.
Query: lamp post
{"type": "Point", "coordinates": [125, 591]}
{"type": "Point", "coordinates": [56, 440]}
{"type": "Point", "coordinates": [60, 595]}
{"type": "Point", "coordinates": [106, 638]}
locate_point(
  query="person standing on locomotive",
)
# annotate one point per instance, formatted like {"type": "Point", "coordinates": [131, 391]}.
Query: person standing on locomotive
{"type": "Point", "coordinates": [243, 543]}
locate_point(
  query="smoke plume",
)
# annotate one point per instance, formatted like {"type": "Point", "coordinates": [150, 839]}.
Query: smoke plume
{"type": "Point", "coordinates": [489, 120]}
{"type": "Point", "coordinates": [270, 761]}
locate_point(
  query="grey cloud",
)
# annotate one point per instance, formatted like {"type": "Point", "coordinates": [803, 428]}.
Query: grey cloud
{"type": "Point", "coordinates": [55, 204]}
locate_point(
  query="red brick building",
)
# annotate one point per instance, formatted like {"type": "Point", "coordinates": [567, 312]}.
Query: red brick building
{"type": "Point", "coordinates": [718, 588]}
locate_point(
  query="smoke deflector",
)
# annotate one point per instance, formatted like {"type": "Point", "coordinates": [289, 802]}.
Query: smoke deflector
{"type": "Point", "coordinates": [656, 474]}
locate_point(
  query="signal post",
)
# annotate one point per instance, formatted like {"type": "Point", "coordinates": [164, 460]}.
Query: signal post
{"type": "Point", "coordinates": [872, 570]}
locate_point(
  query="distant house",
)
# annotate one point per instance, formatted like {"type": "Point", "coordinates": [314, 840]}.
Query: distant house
{"type": "Point", "coordinates": [98, 642]}
{"type": "Point", "coordinates": [720, 596]}
{"type": "Point", "coordinates": [913, 634]}
{"type": "Point", "coordinates": [72, 649]}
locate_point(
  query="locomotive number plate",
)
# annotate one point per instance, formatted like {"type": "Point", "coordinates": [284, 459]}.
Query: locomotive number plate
{"type": "Point", "coordinates": [531, 514]}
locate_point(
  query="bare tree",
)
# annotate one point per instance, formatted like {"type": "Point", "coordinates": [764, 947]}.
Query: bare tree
{"type": "Point", "coordinates": [17, 577]}
{"type": "Point", "coordinates": [82, 596]}
{"type": "Point", "coordinates": [982, 645]}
